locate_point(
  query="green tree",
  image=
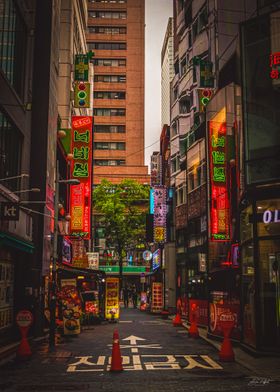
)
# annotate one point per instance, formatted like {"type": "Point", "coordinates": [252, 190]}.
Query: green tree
{"type": "Point", "coordinates": [123, 207]}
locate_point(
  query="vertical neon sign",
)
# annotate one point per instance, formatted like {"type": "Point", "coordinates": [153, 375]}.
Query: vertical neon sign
{"type": "Point", "coordinates": [159, 195]}
{"type": "Point", "coordinates": [219, 205]}
{"type": "Point", "coordinates": [80, 195]}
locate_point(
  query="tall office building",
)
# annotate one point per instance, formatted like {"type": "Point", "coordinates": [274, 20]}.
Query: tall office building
{"type": "Point", "coordinates": [167, 72]}
{"type": "Point", "coordinates": [116, 36]}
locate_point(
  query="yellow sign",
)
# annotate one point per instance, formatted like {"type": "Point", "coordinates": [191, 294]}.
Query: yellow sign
{"type": "Point", "coordinates": [71, 307]}
{"type": "Point", "coordinates": [112, 306]}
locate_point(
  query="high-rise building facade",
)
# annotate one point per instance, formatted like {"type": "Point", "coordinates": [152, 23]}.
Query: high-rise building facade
{"type": "Point", "coordinates": [167, 72]}
{"type": "Point", "coordinates": [116, 36]}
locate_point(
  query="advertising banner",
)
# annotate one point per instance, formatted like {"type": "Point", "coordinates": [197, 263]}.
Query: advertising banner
{"type": "Point", "coordinates": [81, 168]}
{"type": "Point", "coordinates": [93, 260]}
{"type": "Point", "coordinates": [219, 207]}
{"type": "Point", "coordinates": [71, 307]}
{"type": "Point", "coordinates": [159, 196]}
{"type": "Point", "coordinates": [112, 306]}
{"type": "Point", "coordinates": [81, 67]}
{"type": "Point", "coordinates": [215, 322]}
{"type": "Point", "coordinates": [156, 260]}
{"type": "Point", "coordinates": [79, 256]}
{"type": "Point", "coordinates": [157, 297]}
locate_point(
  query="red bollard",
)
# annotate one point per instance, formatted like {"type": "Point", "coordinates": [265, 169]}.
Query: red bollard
{"type": "Point", "coordinates": [24, 320]}
{"type": "Point", "coordinates": [193, 330]}
{"type": "Point", "coordinates": [226, 353]}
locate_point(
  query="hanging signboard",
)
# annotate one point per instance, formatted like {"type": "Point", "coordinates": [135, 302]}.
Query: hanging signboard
{"type": "Point", "coordinates": [81, 67]}
{"type": "Point", "coordinates": [219, 204]}
{"type": "Point", "coordinates": [79, 256]}
{"type": "Point", "coordinates": [156, 260]}
{"type": "Point", "coordinates": [159, 194]}
{"type": "Point", "coordinates": [80, 195]}
{"type": "Point", "coordinates": [93, 260]}
{"type": "Point", "coordinates": [112, 306]}
{"type": "Point", "coordinates": [157, 297]}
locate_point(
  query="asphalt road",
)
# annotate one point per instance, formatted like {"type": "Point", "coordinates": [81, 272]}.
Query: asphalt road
{"type": "Point", "coordinates": [156, 357]}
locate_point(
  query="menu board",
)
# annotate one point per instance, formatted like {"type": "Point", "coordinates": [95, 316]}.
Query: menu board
{"type": "Point", "coordinates": [112, 306]}
{"type": "Point", "coordinates": [71, 307]}
{"type": "Point", "coordinates": [157, 299]}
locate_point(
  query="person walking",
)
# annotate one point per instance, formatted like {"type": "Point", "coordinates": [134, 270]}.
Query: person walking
{"type": "Point", "coordinates": [125, 296]}
{"type": "Point", "coordinates": [134, 297]}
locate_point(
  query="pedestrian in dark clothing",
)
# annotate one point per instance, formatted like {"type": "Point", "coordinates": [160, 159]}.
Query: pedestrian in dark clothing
{"type": "Point", "coordinates": [125, 296]}
{"type": "Point", "coordinates": [134, 298]}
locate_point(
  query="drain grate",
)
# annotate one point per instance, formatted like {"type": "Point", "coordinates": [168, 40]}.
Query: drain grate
{"type": "Point", "coordinates": [53, 387]}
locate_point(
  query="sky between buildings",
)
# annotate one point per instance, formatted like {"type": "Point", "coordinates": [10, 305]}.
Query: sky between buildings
{"type": "Point", "coordinates": [157, 13]}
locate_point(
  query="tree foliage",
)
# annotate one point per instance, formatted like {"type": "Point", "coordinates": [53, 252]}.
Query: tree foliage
{"type": "Point", "coordinates": [123, 209]}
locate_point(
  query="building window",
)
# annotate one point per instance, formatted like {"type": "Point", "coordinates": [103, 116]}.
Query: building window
{"type": "Point", "coordinates": [13, 38]}
{"type": "Point", "coordinates": [10, 151]}
{"type": "Point", "coordinates": [175, 164]}
{"type": "Point", "coordinates": [181, 194]}
{"type": "Point", "coordinates": [109, 128]}
{"type": "Point", "coordinates": [109, 146]}
{"type": "Point", "coordinates": [107, 30]}
{"type": "Point", "coordinates": [110, 78]}
{"type": "Point", "coordinates": [107, 45]}
{"type": "Point", "coordinates": [109, 112]}
{"type": "Point", "coordinates": [110, 62]}
{"type": "Point", "coordinates": [107, 162]}
{"type": "Point", "coordinates": [107, 14]}
{"type": "Point", "coordinates": [109, 95]}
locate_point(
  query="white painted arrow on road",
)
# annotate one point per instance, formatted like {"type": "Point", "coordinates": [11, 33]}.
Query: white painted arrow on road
{"type": "Point", "coordinates": [133, 341]}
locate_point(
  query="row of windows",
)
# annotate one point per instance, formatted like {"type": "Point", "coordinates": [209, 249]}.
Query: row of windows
{"type": "Point", "coordinates": [107, 45]}
{"type": "Point", "coordinates": [110, 78]}
{"type": "Point", "coordinates": [109, 95]}
{"type": "Point", "coordinates": [109, 146]}
{"type": "Point", "coordinates": [109, 128]}
{"type": "Point", "coordinates": [109, 112]}
{"type": "Point", "coordinates": [111, 162]}
{"type": "Point", "coordinates": [107, 14]}
{"type": "Point", "coordinates": [13, 39]}
{"type": "Point", "coordinates": [110, 62]}
{"type": "Point", "coordinates": [10, 151]}
{"type": "Point", "coordinates": [107, 30]}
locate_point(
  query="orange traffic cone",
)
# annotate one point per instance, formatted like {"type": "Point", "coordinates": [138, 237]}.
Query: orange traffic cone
{"type": "Point", "coordinates": [177, 321]}
{"type": "Point", "coordinates": [193, 330]}
{"type": "Point", "coordinates": [116, 363]}
{"type": "Point", "coordinates": [226, 353]}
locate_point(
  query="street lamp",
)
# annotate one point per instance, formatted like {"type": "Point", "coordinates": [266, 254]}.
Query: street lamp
{"type": "Point", "coordinates": [54, 258]}
{"type": "Point", "coordinates": [13, 177]}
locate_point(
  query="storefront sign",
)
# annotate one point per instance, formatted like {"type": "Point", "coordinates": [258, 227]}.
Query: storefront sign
{"type": "Point", "coordinates": [159, 214]}
{"type": "Point", "coordinates": [156, 260]}
{"type": "Point", "coordinates": [79, 256]}
{"type": "Point", "coordinates": [271, 216]}
{"type": "Point", "coordinates": [93, 260]}
{"type": "Point", "coordinates": [112, 307]}
{"type": "Point", "coordinates": [216, 310]}
{"type": "Point", "coordinates": [157, 297]}
{"type": "Point", "coordinates": [80, 195]}
{"type": "Point", "coordinates": [71, 307]}
{"type": "Point", "coordinates": [143, 300]}
{"type": "Point", "coordinates": [81, 67]}
{"type": "Point", "coordinates": [274, 65]}
{"type": "Point", "coordinates": [219, 211]}
{"type": "Point", "coordinates": [9, 211]}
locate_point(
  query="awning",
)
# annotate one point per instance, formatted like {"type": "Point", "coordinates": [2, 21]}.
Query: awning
{"type": "Point", "coordinates": [15, 242]}
{"type": "Point", "coordinates": [80, 271]}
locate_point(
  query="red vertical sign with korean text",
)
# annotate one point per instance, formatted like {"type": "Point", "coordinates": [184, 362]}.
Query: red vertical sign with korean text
{"type": "Point", "coordinates": [81, 168]}
{"type": "Point", "coordinates": [219, 205]}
